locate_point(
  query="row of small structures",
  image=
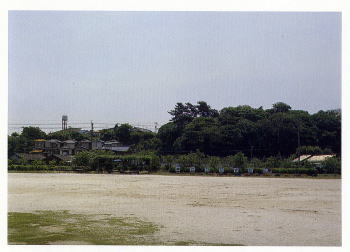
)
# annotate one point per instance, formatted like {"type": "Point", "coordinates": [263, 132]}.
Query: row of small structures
{"type": "Point", "coordinates": [221, 170]}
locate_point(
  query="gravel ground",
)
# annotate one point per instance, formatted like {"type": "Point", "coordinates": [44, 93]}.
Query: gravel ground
{"type": "Point", "coordinates": [235, 210]}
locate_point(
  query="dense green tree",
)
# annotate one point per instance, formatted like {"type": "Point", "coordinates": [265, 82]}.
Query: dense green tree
{"type": "Point", "coordinates": [107, 134]}
{"type": "Point", "coordinates": [231, 115]}
{"type": "Point", "coordinates": [204, 110]}
{"type": "Point", "coordinates": [33, 133]}
{"type": "Point", "coordinates": [280, 107]}
{"type": "Point", "coordinates": [67, 134]}
{"type": "Point", "coordinates": [123, 133]}
{"type": "Point", "coordinates": [202, 134]}
{"type": "Point", "coordinates": [168, 133]}
{"type": "Point", "coordinates": [328, 125]}
{"type": "Point", "coordinates": [19, 144]}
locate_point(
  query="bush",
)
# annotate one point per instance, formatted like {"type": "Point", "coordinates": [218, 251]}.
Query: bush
{"type": "Point", "coordinates": [308, 171]}
{"type": "Point", "coordinates": [272, 162]}
{"type": "Point", "coordinates": [311, 150]}
{"type": "Point", "coordinates": [332, 165]}
{"type": "Point", "coordinates": [38, 168]}
{"type": "Point", "coordinates": [238, 160]}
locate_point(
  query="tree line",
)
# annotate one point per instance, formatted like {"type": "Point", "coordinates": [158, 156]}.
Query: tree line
{"type": "Point", "coordinates": [256, 132]}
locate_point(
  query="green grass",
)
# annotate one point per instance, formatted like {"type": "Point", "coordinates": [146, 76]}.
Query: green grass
{"type": "Point", "coordinates": [60, 227]}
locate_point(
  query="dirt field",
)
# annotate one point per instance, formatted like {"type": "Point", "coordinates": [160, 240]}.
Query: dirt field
{"type": "Point", "coordinates": [234, 210]}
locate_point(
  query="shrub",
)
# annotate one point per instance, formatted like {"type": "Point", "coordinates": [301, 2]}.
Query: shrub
{"type": "Point", "coordinates": [308, 171]}
{"type": "Point", "coordinates": [312, 150]}
{"type": "Point", "coordinates": [272, 162]}
{"type": "Point", "coordinates": [238, 160]}
{"type": "Point", "coordinates": [332, 165]}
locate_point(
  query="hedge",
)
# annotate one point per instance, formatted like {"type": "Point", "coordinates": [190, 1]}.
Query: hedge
{"type": "Point", "coordinates": [39, 168]}
{"type": "Point", "coordinates": [308, 171]}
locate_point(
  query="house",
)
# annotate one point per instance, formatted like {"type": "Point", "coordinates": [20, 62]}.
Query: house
{"type": "Point", "coordinates": [52, 146]}
{"type": "Point", "coordinates": [39, 144]}
{"type": "Point", "coordinates": [84, 145]}
{"type": "Point", "coordinates": [72, 147]}
{"type": "Point", "coordinates": [115, 146]}
{"type": "Point", "coordinates": [68, 148]}
{"type": "Point", "coordinates": [96, 145]}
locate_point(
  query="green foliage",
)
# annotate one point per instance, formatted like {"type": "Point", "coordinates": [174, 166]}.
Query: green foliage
{"type": "Point", "coordinates": [272, 162]}
{"type": "Point", "coordinates": [311, 150]}
{"type": "Point", "coordinates": [271, 132]}
{"type": "Point", "coordinates": [101, 161]}
{"type": "Point", "coordinates": [33, 133]}
{"type": "Point", "coordinates": [256, 163]}
{"type": "Point", "coordinates": [38, 167]}
{"type": "Point", "coordinates": [123, 133]}
{"type": "Point", "coordinates": [332, 165]}
{"type": "Point", "coordinates": [18, 144]}
{"type": "Point", "coordinates": [280, 107]}
{"type": "Point", "coordinates": [52, 162]}
{"type": "Point", "coordinates": [37, 163]}
{"type": "Point", "coordinates": [67, 134]}
{"type": "Point", "coordinates": [47, 227]}
{"type": "Point", "coordinates": [167, 135]}
{"type": "Point", "coordinates": [308, 171]}
{"type": "Point", "coordinates": [152, 144]}
{"type": "Point", "coordinates": [238, 160]}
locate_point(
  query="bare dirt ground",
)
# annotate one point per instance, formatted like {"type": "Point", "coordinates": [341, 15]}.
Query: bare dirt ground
{"type": "Point", "coordinates": [234, 210]}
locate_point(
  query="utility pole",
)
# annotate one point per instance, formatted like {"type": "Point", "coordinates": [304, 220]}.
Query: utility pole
{"type": "Point", "coordinates": [92, 130]}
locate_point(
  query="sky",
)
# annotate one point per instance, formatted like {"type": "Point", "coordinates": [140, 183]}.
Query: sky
{"type": "Point", "coordinates": [135, 66]}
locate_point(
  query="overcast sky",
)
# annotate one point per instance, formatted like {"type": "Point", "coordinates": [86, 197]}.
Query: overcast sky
{"type": "Point", "coordinates": [135, 66]}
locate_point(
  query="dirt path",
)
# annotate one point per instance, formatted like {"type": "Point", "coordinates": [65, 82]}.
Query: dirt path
{"type": "Point", "coordinates": [248, 211]}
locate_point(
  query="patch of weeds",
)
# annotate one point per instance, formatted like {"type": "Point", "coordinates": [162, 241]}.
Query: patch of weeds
{"type": "Point", "coordinates": [61, 227]}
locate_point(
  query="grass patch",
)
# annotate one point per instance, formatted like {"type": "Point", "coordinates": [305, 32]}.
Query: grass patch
{"type": "Point", "coordinates": [62, 227]}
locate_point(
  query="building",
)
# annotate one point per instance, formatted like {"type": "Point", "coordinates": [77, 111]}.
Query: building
{"type": "Point", "coordinates": [68, 147]}
{"type": "Point", "coordinates": [53, 149]}
{"type": "Point", "coordinates": [97, 145]}
{"type": "Point", "coordinates": [115, 146]}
